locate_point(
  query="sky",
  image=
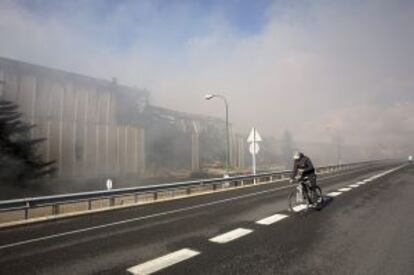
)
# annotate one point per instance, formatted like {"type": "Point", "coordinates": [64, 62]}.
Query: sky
{"type": "Point", "coordinates": [316, 68]}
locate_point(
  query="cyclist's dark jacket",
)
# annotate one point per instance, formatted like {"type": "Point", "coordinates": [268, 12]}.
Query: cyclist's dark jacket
{"type": "Point", "coordinates": [304, 163]}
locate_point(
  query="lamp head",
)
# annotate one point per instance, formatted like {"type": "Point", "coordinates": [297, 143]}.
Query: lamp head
{"type": "Point", "coordinates": [208, 96]}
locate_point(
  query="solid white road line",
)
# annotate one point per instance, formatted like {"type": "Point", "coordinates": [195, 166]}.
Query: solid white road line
{"type": "Point", "coordinates": [334, 194]}
{"type": "Point", "coordinates": [230, 236]}
{"type": "Point", "coordinates": [344, 189]}
{"type": "Point", "coordinates": [161, 214]}
{"type": "Point", "coordinates": [353, 185]}
{"type": "Point", "coordinates": [272, 219]}
{"type": "Point", "coordinates": [163, 262]}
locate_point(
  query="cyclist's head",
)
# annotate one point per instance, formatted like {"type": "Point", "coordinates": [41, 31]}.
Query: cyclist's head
{"type": "Point", "coordinates": [297, 155]}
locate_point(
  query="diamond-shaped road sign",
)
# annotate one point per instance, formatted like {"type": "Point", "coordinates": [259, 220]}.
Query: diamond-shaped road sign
{"type": "Point", "coordinates": [254, 148]}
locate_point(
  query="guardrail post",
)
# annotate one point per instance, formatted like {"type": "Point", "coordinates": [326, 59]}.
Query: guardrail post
{"type": "Point", "coordinates": [89, 205]}
{"type": "Point", "coordinates": [111, 201]}
{"type": "Point", "coordinates": [155, 196]}
{"type": "Point", "coordinates": [188, 190]}
{"type": "Point", "coordinates": [136, 198]}
{"type": "Point", "coordinates": [55, 209]}
{"type": "Point", "coordinates": [26, 211]}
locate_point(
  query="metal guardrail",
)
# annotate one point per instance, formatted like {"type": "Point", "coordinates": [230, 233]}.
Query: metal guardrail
{"type": "Point", "coordinates": [108, 197]}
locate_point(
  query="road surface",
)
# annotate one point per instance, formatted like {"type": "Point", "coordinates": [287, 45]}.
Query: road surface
{"type": "Point", "coordinates": [366, 227]}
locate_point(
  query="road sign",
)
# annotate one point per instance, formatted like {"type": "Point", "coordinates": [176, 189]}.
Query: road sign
{"type": "Point", "coordinates": [254, 148]}
{"type": "Point", "coordinates": [254, 136]}
{"type": "Point", "coordinates": [253, 139]}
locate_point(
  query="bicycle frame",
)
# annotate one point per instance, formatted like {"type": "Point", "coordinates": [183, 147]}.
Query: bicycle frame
{"type": "Point", "coordinates": [303, 190]}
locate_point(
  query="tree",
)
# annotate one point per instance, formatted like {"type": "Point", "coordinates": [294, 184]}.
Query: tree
{"type": "Point", "coordinates": [287, 148]}
{"type": "Point", "coordinates": [19, 160]}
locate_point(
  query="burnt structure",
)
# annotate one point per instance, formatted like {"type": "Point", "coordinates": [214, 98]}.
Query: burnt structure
{"type": "Point", "coordinates": [95, 127]}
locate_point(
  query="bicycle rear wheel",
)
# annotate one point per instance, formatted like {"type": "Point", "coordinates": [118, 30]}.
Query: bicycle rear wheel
{"type": "Point", "coordinates": [297, 202]}
{"type": "Point", "coordinates": [317, 197]}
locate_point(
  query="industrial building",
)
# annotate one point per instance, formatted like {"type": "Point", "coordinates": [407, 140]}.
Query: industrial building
{"type": "Point", "coordinates": [97, 128]}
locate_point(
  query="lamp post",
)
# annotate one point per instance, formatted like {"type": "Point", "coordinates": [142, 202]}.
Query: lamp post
{"type": "Point", "coordinates": [1, 90]}
{"type": "Point", "coordinates": [208, 97]}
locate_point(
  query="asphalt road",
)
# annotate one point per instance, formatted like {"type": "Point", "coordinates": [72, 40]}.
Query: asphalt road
{"type": "Point", "coordinates": [366, 230]}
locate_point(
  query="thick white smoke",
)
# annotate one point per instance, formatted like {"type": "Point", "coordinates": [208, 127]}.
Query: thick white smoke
{"type": "Point", "coordinates": [318, 68]}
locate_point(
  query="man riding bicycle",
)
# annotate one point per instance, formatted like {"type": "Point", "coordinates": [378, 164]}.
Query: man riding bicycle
{"type": "Point", "coordinates": [303, 163]}
{"type": "Point", "coordinates": [307, 193]}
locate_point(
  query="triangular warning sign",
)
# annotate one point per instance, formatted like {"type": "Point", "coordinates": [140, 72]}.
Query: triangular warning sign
{"type": "Point", "coordinates": [254, 136]}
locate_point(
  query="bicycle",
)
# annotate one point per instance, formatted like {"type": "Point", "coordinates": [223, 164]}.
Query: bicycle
{"type": "Point", "coordinates": [303, 196]}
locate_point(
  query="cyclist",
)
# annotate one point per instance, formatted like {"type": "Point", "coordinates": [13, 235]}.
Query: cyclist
{"type": "Point", "coordinates": [303, 163]}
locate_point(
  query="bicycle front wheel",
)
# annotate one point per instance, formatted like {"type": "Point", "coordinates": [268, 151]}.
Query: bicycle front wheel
{"type": "Point", "coordinates": [297, 202]}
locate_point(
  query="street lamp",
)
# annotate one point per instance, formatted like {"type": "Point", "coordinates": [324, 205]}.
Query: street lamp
{"type": "Point", "coordinates": [208, 97]}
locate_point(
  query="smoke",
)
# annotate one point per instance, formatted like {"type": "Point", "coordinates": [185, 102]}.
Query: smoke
{"type": "Point", "coordinates": [317, 68]}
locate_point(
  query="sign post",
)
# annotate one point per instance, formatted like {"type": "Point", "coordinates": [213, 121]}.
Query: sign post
{"type": "Point", "coordinates": [254, 148]}
{"type": "Point", "coordinates": [109, 184]}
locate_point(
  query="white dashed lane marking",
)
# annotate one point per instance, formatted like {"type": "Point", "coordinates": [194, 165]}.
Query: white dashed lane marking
{"type": "Point", "coordinates": [344, 189]}
{"type": "Point", "coordinates": [163, 262]}
{"type": "Point", "coordinates": [334, 194]}
{"type": "Point", "coordinates": [354, 185]}
{"type": "Point", "coordinates": [231, 236]}
{"type": "Point", "coordinates": [299, 208]}
{"type": "Point", "coordinates": [272, 219]}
